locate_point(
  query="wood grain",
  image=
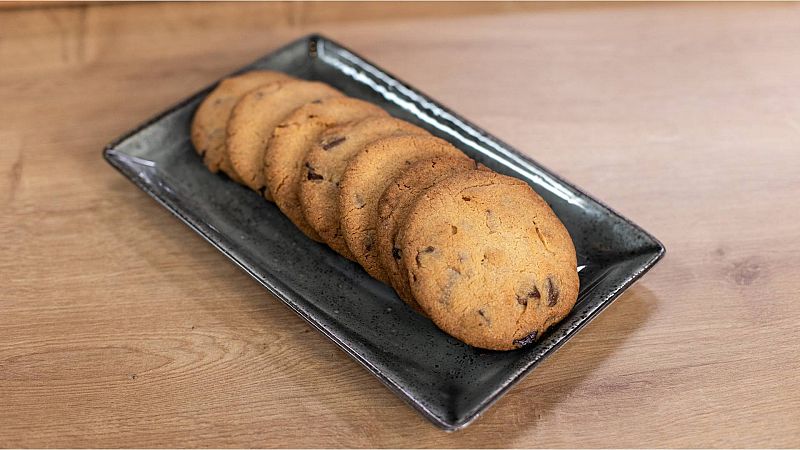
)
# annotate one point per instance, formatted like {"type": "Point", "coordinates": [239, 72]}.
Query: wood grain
{"type": "Point", "coordinates": [121, 327]}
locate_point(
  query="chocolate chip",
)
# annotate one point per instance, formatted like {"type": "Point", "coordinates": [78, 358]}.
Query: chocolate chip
{"type": "Point", "coordinates": [466, 199]}
{"type": "Point", "coordinates": [533, 292]}
{"type": "Point", "coordinates": [492, 222]}
{"type": "Point", "coordinates": [552, 292]}
{"type": "Point", "coordinates": [428, 249]}
{"type": "Point", "coordinates": [313, 175]}
{"type": "Point", "coordinates": [486, 318]}
{"type": "Point", "coordinates": [453, 276]}
{"type": "Point", "coordinates": [358, 201]}
{"type": "Point", "coordinates": [333, 143]}
{"type": "Point", "coordinates": [396, 253]}
{"type": "Point", "coordinates": [526, 340]}
{"type": "Point", "coordinates": [453, 229]}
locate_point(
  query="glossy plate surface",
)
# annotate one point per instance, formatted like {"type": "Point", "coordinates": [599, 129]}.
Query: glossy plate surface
{"type": "Point", "coordinates": [449, 382]}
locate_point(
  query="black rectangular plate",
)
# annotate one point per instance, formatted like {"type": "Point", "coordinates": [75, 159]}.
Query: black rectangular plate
{"type": "Point", "coordinates": [449, 382]}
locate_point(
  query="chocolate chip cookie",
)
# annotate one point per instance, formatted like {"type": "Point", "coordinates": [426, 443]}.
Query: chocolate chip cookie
{"type": "Point", "coordinates": [393, 209]}
{"type": "Point", "coordinates": [255, 117]}
{"type": "Point", "coordinates": [325, 163]}
{"type": "Point", "coordinates": [292, 139]}
{"type": "Point", "coordinates": [488, 260]}
{"type": "Point", "coordinates": [211, 117]}
{"type": "Point", "coordinates": [367, 175]}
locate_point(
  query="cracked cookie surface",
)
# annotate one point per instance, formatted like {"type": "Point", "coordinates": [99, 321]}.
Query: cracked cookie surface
{"type": "Point", "coordinates": [254, 118]}
{"type": "Point", "coordinates": [211, 117]}
{"type": "Point", "coordinates": [292, 139]}
{"type": "Point", "coordinates": [488, 260]}
{"type": "Point", "coordinates": [325, 164]}
{"type": "Point", "coordinates": [393, 208]}
{"type": "Point", "coordinates": [367, 176]}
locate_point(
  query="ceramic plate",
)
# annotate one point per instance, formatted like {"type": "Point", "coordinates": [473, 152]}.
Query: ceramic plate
{"type": "Point", "coordinates": [447, 381]}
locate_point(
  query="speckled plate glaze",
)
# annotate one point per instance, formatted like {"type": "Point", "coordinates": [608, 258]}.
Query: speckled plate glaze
{"type": "Point", "coordinates": [449, 382]}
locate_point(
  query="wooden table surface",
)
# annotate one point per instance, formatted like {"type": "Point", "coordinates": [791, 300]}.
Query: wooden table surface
{"type": "Point", "coordinates": [121, 327]}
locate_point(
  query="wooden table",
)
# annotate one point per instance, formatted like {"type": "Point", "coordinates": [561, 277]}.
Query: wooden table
{"type": "Point", "coordinates": [121, 327]}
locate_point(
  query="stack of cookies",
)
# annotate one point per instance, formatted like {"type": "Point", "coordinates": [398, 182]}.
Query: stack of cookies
{"type": "Point", "coordinates": [479, 253]}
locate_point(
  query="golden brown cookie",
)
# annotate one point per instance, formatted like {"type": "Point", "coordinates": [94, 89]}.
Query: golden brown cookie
{"type": "Point", "coordinates": [254, 118]}
{"type": "Point", "coordinates": [393, 208]}
{"type": "Point", "coordinates": [211, 117]}
{"type": "Point", "coordinates": [367, 175]}
{"type": "Point", "coordinates": [325, 163]}
{"type": "Point", "coordinates": [292, 139]}
{"type": "Point", "coordinates": [488, 260]}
